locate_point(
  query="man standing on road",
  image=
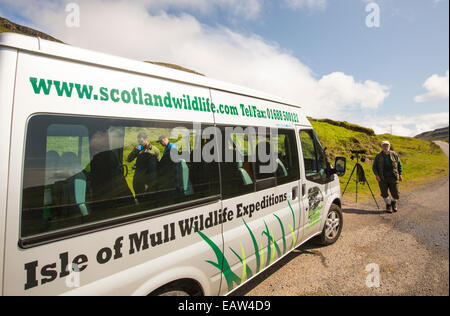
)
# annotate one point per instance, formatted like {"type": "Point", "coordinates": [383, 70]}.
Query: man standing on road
{"type": "Point", "coordinates": [388, 169]}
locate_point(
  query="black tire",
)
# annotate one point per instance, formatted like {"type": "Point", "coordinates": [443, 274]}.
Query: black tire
{"type": "Point", "coordinates": [333, 226]}
{"type": "Point", "coordinates": [175, 292]}
{"type": "Point", "coordinates": [179, 288]}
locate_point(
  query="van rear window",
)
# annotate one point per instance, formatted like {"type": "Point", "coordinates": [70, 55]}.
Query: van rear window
{"type": "Point", "coordinates": [82, 170]}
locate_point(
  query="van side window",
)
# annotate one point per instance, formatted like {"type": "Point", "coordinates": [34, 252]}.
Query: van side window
{"type": "Point", "coordinates": [237, 170]}
{"type": "Point", "coordinates": [82, 170]}
{"type": "Point", "coordinates": [243, 175]}
{"type": "Point", "coordinates": [313, 155]}
{"type": "Point", "coordinates": [322, 161]}
{"type": "Point", "coordinates": [287, 157]}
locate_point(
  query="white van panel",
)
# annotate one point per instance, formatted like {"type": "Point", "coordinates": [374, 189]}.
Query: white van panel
{"type": "Point", "coordinates": [14, 40]}
{"type": "Point", "coordinates": [8, 57]}
{"type": "Point", "coordinates": [110, 92]}
{"type": "Point", "coordinates": [247, 111]}
{"type": "Point", "coordinates": [149, 268]}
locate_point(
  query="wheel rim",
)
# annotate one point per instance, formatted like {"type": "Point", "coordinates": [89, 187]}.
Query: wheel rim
{"type": "Point", "coordinates": [175, 293]}
{"type": "Point", "coordinates": [332, 225]}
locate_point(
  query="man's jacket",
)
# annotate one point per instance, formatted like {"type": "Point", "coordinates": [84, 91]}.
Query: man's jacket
{"type": "Point", "coordinates": [381, 164]}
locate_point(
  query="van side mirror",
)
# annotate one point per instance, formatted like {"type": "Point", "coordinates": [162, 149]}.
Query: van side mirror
{"type": "Point", "coordinates": [340, 166]}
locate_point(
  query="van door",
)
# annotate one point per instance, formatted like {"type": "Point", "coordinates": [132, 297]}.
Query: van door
{"type": "Point", "coordinates": [263, 210]}
{"type": "Point", "coordinates": [315, 182]}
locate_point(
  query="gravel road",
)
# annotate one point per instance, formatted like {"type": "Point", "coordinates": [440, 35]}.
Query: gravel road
{"type": "Point", "coordinates": [411, 249]}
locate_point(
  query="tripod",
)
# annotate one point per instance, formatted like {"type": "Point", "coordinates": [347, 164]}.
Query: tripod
{"type": "Point", "coordinates": [361, 177]}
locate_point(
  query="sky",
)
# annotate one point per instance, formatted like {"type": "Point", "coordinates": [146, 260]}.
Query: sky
{"type": "Point", "coordinates": [382, 64]}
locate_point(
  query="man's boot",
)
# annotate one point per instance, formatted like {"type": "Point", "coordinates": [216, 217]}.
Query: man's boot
{"type": "Point", "coordinates": [394, 206]}
{"type": "Point", "coordinates": [388, 208]}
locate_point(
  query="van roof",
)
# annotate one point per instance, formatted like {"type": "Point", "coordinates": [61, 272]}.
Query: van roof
{"type": "Point", "coordinates": [44, 47]}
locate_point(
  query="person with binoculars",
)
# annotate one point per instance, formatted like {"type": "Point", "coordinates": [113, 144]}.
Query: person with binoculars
{"type": "Point", "coordinates": [147, 157]}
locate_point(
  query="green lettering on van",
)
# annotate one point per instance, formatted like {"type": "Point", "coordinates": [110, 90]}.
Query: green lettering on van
{"type": "Point", "coordinates": [64, 89]}
{"type": "Point", "coordinates": [84, 91]}
{"type": "Point", "coordinates": [42, 86]}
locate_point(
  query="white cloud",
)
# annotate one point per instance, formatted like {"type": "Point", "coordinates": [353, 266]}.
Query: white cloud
{"type": "Point", "coordinates": [403, 125]}
{"type": "Point", "coordinates": [313, 4]}
{"type": "Point", "coordinates": [437, 87]}
{"type": "Point", "coordinates": [338, 88]}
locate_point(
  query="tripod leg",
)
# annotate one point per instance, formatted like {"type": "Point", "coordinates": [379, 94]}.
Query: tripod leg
{"type": "Point", "coordinates": [372, 194]}
{"type": "Point", "coordinates": [349, 180]}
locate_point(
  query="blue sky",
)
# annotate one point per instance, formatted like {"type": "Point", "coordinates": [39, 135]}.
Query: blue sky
{"type": "Point", "coordinates": [320, 53]}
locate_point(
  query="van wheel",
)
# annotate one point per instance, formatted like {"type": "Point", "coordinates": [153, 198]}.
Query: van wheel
{"type": "Point", "coordinates": [179, 288]}
{"type": "Point", "coordinates": [174, 293]}
{"type": "Point", "coordinates": [333, 226]}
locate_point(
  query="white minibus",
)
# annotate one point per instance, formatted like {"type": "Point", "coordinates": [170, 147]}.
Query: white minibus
{"type": "Point", "coordinates": [119, 177]}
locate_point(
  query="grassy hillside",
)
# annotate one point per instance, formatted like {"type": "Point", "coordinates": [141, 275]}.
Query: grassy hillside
{"type": "Point", "coordinates": [423, 161]}
{"type": "Point", "coordinates": [8, 26]}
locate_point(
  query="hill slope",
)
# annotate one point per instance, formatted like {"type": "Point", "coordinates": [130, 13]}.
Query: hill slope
{"type": "Point", "coordinates": [437, 134]}
{"type": "Point", "coordinates": [423, 161]}
{"type": "Point", "coordinates": [8, 26]}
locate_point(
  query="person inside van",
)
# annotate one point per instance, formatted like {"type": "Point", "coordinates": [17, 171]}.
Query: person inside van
{"type": "Point", "coordinates": [147, 157]}
{"type": "Point", "coordinates": [164, 141]}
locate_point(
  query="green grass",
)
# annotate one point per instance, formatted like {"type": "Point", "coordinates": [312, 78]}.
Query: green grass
{"type": "Point", "coordinates": [423, 161]}
{"type": "Point", "coordinates": [347, 125]}
{"type": "Point", "coordinates": [3, 29]}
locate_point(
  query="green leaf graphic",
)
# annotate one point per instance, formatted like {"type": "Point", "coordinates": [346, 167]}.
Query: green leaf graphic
{"type": "Point", "coordinates": [230, 277]}
{"type": "Point", "coordinates": [282, 231]}
{"type": "Point", "coordinates": [255, 245]}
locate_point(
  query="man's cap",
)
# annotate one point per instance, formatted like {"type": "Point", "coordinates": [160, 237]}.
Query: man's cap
{"type": "Point", "coordinates": [385, 142]}
{"type": "Point", "coordinates": [161, 138]}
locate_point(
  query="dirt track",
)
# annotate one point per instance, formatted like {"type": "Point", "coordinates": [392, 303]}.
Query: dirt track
{"type": "Point", "coordinates": [411, 249]}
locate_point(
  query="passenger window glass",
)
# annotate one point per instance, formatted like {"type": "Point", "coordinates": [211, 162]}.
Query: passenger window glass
{"type": "Point", "coordinates": [85, 170]}
{"type": "Point", "coordinates": [309, 153]}
{"type": "Point", "coordinates": [314, 156]}
{"type": "Point", "coordinates": [243, 175]}
{"type": "Point", "coordinates": [67, 151]}
{"type": "Point", "coordinates": [321, 158]}
{"type": "Point", "coordinates": [287, 157]}
{"type": "Point", "coordinates": [237, 169]}
{"type": "Point", "coordinates": [262, 150]}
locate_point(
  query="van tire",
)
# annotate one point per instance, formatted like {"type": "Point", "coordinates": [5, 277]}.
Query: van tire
{"type": "Point", "coordinates": [333, 226]}
{"type": "Point", "coordinates": [185, 287]}
{"type": "Point", "coordinates": [174, 293]}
